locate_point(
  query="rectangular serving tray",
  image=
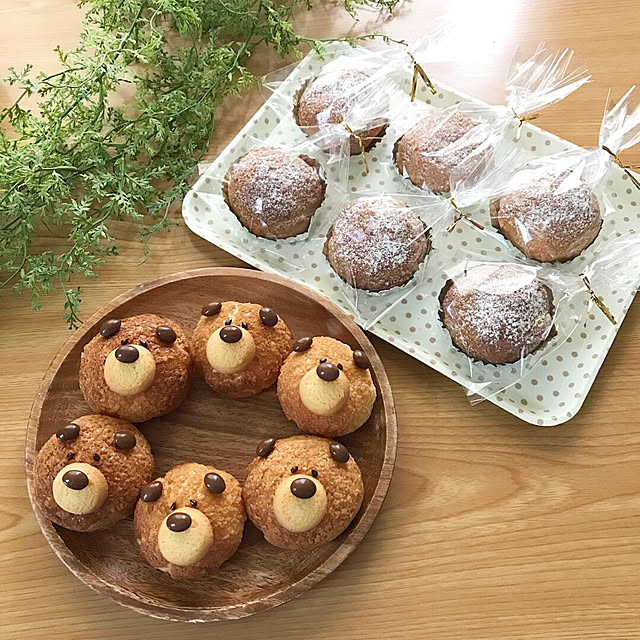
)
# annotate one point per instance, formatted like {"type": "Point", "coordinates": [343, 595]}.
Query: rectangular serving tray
{"type": "Point", "coordinates": [556, 389]}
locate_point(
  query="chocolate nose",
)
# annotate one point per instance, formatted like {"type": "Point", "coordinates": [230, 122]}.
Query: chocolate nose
{"type": "Point", "coordinates": [303, 488]}
{"type": "Point", "coordinates": [127, 354]}
{"type": "Point", "coordinates": [178, 522]}
{"type": "Point", "coordinates": [76, 480]}
{"type": "Point", "coordinates": [230, 334]}
{"type": "Point", "coordinates": [327, 371]}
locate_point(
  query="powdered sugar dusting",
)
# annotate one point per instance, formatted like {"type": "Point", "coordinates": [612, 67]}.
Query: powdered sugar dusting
{"type": "Point", "coordinates": [376, 241]}
{"type": "Point", "coordinates": [499, 304]}
{"type": "Point", "coordinates": [549, 211]}
{"type": "Point", "coordinates": [273, 186]}
{"type": "Point", "coordinates": [328, 97]}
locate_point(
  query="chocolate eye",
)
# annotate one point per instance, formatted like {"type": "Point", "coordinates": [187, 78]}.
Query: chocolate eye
{"type": "Point", "coordinates": [323, 360]}
{"type": "Point", "coordinates": [193, 503]}
{"type": "Point", "coordinates": [71, 455]}
{"type": "Point", "coordinates": [173, 506]}
{"type": "Point", "coordinates": [314, 473]}
{"type": "Point", "coordinates": [124, 341]}
{"type": "Point", "coordinates": [68, 433]}
{"type": "Point", "coordinates": [294, 469]}
{"type": "Point", "coordinates": [110, 328]}
{"type": "Point", "coordinates": [211, 309]}
{"type": "Point", "coordinates": [227, 322]}
{"type": "Point", "coordinates": [268, 317]}
{"type": "Point", "coordinates": [340, 366]}
{"type": "Point", "coordinates": [151, 492]}
{"type": "Point", "coordinates": [265, 447]}
{"type": "Point", "coordinates": [214, 483]}
{"type": "Point", "coordinates": [124, 441]}
{"type": "Point", "coordinates": [360, 359]}
{"type": "Point", "coordinates": [339, 452]}
{"type": "Point", "coordinates": [143, 343]}
{"type": "Point", "coordinates": [96, 457]}
{"type": "Point", "coordinates": [243, 325]}
{"type": "Point", "coordinates": [166, 334]}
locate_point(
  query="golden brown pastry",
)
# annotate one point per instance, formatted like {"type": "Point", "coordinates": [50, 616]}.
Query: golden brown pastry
{"type": "Point", "coordinates": [239, 347]}
{"type": "Point", "coordinates": [329, 99]}
{"type": "Point", "coordinates": [497, 313]}
{"type": "Point", "coordinates": [88, 475]}
{"type": "Point", "coordinates": [547, 222]}
{"type": "Point", "coordinates": [136, 368]}
{"type": "Point", "coordinates": [377, 244]}
{"type": "Point", "coordinates": [302, 491]}
{"type": "Point", "coordinates": [431, 150]}
{"type": "Point", "coordinates": [274, 193]}
{"type": "Point", "coordinates": [190, 521]}
{"type": "Point", "coordinates": [325, 387]}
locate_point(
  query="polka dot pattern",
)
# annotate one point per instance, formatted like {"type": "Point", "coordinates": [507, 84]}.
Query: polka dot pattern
{"type": "Point", "coordinates": [549, 386]}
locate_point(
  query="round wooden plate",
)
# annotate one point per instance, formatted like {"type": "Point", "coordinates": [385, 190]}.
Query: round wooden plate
{"type": "Point", "coordinates": [217, 430]}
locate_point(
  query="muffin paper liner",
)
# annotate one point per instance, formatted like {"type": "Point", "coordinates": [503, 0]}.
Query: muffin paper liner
{"type": "Point", "coordinates": [548, 386]}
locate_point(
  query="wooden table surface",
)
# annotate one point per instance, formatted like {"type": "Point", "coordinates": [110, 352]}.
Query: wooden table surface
{"type": "Point", "coordinates": [492, 528]}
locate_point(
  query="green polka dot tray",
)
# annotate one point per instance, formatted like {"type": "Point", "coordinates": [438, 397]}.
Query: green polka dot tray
{"type": "Point", "coordinates": [553, 391]}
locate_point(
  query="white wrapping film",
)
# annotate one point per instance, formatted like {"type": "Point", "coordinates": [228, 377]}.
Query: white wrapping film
{"type": "Point", "coordinates": [552, 207]}
{"type": "Point", "coordinates": [379, 263]}
{"type": "Point", "coordinates": [506, 319]}
{"type": "Point", "coordinates": [557, 390]}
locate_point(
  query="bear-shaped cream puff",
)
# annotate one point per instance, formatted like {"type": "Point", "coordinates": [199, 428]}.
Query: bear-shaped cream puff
{"type": "Point", "coordinates": [302, 491]}
{"type": "Point", "coordinates": [325, 387]}
{"type": "Point", "coordinates": [137, 368]}
{"type": "Point", "coordinates": [190, 521]}
{"type": "Point", "coordinates": [88, 475]}
{"type": "Point", "coordinates": [239, 347]}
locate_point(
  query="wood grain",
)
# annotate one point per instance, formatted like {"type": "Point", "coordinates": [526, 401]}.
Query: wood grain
{"type": "Point", "coordinates": [209, 428]}
{"type": "Point", "coordinates": [492, 528]}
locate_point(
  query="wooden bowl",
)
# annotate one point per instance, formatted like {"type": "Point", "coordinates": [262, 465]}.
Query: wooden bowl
{"type": "Point", "coordinates": [213, 429]}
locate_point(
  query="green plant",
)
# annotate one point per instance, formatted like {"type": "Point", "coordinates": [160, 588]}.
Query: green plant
{"type": "Point", "coordinates": [80, 161]}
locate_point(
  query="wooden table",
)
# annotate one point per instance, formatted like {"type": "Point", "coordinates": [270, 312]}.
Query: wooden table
{"type": "Point", "coordinates": [492, 528]}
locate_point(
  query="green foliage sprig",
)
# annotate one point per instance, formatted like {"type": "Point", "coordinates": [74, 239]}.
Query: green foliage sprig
{"type": "Point", "coordinates": [80, 161]}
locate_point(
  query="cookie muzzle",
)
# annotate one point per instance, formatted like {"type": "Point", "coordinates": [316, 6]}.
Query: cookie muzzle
{"type": "Point", "coordinates": [185, 536]}
{"type": "Point", "coordinates": [80, 488]}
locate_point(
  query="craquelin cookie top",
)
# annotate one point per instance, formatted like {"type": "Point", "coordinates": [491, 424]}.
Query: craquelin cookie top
{"type": "Point", "coordinates": [87, 475]}
{"type": "Point", "coordinates": [191, 520]}
{"type": "Point", "coordinates": [302, 491]}
{"type": "Point", "coordinates": [325, 387]}
{"type": "Point", "coordinates": [136, 368]}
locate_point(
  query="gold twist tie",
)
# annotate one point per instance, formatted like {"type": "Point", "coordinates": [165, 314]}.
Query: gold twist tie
{"type": "Point", "coordinates": [419, 71]}
{"type": "Point", "coordinates": [598, 300]}
{"type": "Point", "coordinates": [361, 142]}
{"type": "Point", "coordinates": [625, 167]}
{"type": "Point", "coordinates": [525, 118]}
{"type": "Point", "coordinates": [459, 216]}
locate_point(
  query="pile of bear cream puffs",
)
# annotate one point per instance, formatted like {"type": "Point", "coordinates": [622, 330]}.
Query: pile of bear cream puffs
{"type": "Point", "coordinates": [300, 491]}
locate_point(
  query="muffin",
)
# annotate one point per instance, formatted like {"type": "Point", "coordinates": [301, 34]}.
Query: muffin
{"type": "Point", "coordinates": [547, 222]}
{"type": "Point", "coordinates": [274, 193]}
{"type": "Point", "coordinates": [325, 387]}
{"type": "Point", "coordinates": [88, 475]}
{"type": "Point", "coordinates": [136, 368]}
{"type": "Point", "coordinates": [190, 521]}
{"type": "Point", "coordinates": [239, 347]}
{"type": "Point", "coordinates": [302, 491]}
{"type": "Point", "coordinates": [377, 244]}
{"type": "Point", "coordinates": [331, 98]}
{"type": "Point", "coordinates": [429, 152]}
{"type": "Point", "coordinates": [497, 313]}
